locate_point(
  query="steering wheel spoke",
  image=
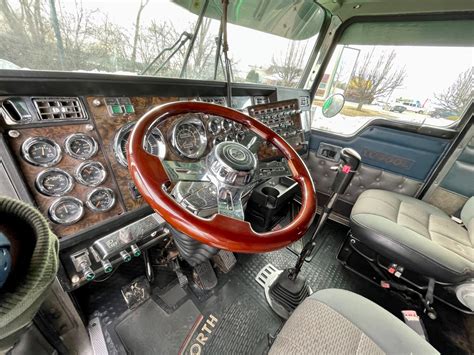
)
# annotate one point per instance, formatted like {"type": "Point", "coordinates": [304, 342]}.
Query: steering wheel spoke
{"type": "Point", "coordinates": [229, 202]}
{"type": "Point", "coordinates": [185, 171]}
{"type": "Point", "coordinates": [266, 170]}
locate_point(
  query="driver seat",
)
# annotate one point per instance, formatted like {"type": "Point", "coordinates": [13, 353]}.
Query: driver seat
{"type": "Point", "coordinates": [334, 321]}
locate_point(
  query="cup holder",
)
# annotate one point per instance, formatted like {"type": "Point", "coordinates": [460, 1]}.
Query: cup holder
{"type": "Point", "coordinates": [270, 191]}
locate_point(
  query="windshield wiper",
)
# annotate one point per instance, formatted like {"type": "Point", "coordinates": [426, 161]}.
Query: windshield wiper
{"type": "Point", "coordinates": [191, 45]}
{"type": "Point", "coordinates": [225, 50]}
{"type": "Point", "coordinates": [183, 38]}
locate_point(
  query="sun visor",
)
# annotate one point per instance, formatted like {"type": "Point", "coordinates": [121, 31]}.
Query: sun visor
{"type": "Point", "coordinates": [294, 20]}
{"type": "Point", "coordinates": [423, 33]}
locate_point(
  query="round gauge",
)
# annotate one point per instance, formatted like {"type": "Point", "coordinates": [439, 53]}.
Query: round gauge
{"type": "Point", "coordinates": [189, 138]}
{"type": "Point", "coordinates": [80, 146]}
{"type": "Point", "coordinates": [237, 125]}
{"type": "Point", "coordinates": [101, 199]}
{"type": "Point", "coordinates": [240, 136]}
{"type": "Point", "coordinates": [229, 137]}
{"type": "Point", "coordinates": [217, 140]}
{"type": "Point", "coordinates": [91, 173]}
{"type": "Point", "coordinates": [41, 151]}
{"type": "Point", "coordinates": [227, 125]}
{"type": "Point", "coordinates": [154, 143]}
{"type": "Point", "coordinates": [214, 125]}
{"type": "Point", "coordinates": [66, 210]}
{"type": "Point", "coordinates": [54, 182]}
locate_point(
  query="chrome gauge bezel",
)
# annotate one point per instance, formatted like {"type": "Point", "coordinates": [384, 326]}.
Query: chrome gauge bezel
{"type": "Point", "coordinates": [93, 144]}
{"type": "Point", "coordinates": [54, 217]}
{"type": "Point", "coordinates": [216, 120]}
{"type": "Point", "coordinates": [81, 180]}
{"type": "Point", "coordinates": [40, 178]}
{"type": "Point", "coordinates": [202, 138]}
{"type": "Point", "coordinates": [124, 130]}
{"type": "Point", "coordinates": [33, 140]}
{"type": "Point", "coordinates": [94, 208]}
{"type": "Point", "coordinates": [227, 122]}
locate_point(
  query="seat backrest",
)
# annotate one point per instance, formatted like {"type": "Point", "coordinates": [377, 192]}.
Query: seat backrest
{"type": "Point", "coordinates": [467, 217]}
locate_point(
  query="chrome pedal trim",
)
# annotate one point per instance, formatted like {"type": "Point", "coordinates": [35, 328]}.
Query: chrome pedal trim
{"type": "Point", "coordinates": [99, 346]}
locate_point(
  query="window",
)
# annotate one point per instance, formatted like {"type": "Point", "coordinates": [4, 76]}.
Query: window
{"type": "Point", "coordinates": [270, 43]}
{"type": "Point", "coordinates": [418, 84]}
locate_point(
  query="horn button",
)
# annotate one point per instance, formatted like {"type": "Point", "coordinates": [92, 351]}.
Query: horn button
{"type": "Point", "coordinates": [232, 163]}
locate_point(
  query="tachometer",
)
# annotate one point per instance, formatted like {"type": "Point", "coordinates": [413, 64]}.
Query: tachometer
{"type": "Point", "coordinates": [41, 151]}
{"type": "Point", "coordinates": [154, 143]}
{"type": "Point", "coordinates": [66, 210]}
{"type": "Point", "coordinates": [54, 182]}
{"type": "Point", "coordinates": [101, 199]}
{"type": "Point", "coordinates": [80, 146]}
{"type": "Point", "coordinates": [189, 138]}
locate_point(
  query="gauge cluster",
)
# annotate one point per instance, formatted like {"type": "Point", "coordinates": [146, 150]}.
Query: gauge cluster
{"type": "Point", "coordinates": [69, 163]}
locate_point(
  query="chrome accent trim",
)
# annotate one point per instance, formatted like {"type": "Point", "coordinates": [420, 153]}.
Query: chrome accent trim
{"type": "Point", "coordinates": [97, 164]}
{"type": "Point", "coordinates": [121, 158]}
{"type": "Point", "coordinates": [219, 122]}
{"type": "Point", "coordinates": [94, 208]}
{"type": "Point", "coordinates": [56, 219]}
{"type": "Point", "coordinates": [33, 140]}
{"type": "Point", "coordinates": [89, 139]}
{"type": "Point", "coordinates": [125, 129]}
{"type": "Point", "coordinates": [41, 188]}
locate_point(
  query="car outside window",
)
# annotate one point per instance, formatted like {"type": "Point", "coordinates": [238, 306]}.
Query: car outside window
{"type": "Point", "coordinates": [421, 85]}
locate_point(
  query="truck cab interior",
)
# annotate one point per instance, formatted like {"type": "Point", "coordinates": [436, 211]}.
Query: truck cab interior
{"type": "Point", "coordinates": [236, 176]}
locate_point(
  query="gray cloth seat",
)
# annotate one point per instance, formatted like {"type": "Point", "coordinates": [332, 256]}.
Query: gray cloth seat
{"type": "Point", "coordinates": [416, 234]}
{"type": "Point", "coordinates": [336, 321]}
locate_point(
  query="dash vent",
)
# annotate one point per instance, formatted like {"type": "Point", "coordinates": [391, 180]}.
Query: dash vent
{"type": "Point", "coordinates": [59, 108]}
{"type": "Point", "coordinates": [218, 100]}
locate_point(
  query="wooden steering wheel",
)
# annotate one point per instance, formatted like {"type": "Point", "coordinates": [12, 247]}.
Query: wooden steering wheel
{"type": "Point", "coordinates": [232, 167]}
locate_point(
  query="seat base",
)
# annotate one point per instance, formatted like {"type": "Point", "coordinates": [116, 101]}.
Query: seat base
{"type": "Point", "coordinates": [366, 263]}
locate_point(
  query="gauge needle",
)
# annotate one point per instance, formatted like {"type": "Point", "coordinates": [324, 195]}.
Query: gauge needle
{"type": "Point", "coordinates": [65, 209]}
{"type": "Point", "coordinates": [42, 150]}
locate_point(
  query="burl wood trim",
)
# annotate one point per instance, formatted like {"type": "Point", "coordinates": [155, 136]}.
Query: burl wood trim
{"type": "Point", "coordinates": [108, 125]}
{"type": "Point", "coordinates": [69, 164]}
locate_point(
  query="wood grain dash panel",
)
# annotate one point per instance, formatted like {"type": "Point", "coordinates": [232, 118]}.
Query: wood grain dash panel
{"type": "Point", "coordinates": [107, 127]}
{"type": "Point", "coordinates": [69, 164]}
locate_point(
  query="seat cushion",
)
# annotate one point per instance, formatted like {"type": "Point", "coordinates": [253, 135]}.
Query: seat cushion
{"type": "Point", "coordinates": [413, 233]}
{"type": "Point", "coordinates": [336, 321]}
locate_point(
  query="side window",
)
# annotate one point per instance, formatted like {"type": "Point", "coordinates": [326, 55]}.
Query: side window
{"type": "Point", "coordinates": [423, 85]}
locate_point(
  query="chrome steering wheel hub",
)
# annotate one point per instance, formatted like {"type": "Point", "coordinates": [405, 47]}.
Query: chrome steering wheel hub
{"type": "Point", "coordinates": [232, 163]}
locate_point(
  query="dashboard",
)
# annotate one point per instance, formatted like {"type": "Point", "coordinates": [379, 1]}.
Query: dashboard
{"type": "Point", "coordinates": [77, 171]}
{"type": "Point", "coordinates": [67, 155]}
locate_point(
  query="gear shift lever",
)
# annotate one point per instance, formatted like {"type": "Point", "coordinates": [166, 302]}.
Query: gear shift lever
{"type": "Point", "coordinates": [289, 289]}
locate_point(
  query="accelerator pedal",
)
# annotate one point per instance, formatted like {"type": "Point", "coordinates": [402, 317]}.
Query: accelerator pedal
{"type": "Point", "coordinates": [224, 260]}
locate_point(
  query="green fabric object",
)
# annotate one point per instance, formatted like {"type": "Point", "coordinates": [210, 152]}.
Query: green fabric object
{"type": "Point", "coordinates": [297, 20]}
{"type": "Point", "coordinates": [19, 306]}
{"type": "Point", "coordinates": [411, 33]}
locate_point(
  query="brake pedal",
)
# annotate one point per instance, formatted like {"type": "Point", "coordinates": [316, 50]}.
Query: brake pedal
{"type": "Point", "coordinates": [224, 260]}
{"type": "Point", "coordinates": [205, 276]}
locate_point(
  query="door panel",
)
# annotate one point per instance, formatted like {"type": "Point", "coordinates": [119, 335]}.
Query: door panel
{"type": "Point", "coordinates": [403, 153]}
{"type": "Point", "coordinates": [392, 159]}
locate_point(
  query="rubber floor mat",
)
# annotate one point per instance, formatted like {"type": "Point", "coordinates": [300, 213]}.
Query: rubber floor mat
{"type": "Point", "coordinates": [150, 330]}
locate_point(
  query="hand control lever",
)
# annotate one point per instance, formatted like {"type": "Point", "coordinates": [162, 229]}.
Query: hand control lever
{"type": "Point", "coordinates": [288, 290]}
{"type": "Point", "coordinates": [350, 161]}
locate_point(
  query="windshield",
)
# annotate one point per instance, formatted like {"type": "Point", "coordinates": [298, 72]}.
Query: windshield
{"type": "Point", "coordinates": [127, 37]}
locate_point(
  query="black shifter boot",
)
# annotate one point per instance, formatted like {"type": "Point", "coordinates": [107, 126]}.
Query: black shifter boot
{"type": "Point", "coordinates": [287, 294]}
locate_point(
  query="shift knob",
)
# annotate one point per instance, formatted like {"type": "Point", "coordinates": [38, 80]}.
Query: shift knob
{"type": "Point", "coordinates": [350, 161]}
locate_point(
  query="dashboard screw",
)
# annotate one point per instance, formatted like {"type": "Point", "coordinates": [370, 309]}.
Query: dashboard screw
{"type": "Point", "coordinates": [14, 133]}
{"type": "Point", "coordinates": [75, 279]}
{"type": "Point", "coordinates": [89, 127]}
{"type": "Point", "coordinates": [96, 102]}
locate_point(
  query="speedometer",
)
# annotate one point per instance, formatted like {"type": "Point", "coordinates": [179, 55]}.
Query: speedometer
{"type": "Point", "coordinates": [154, 143]}
{"type": "Point", "coordinates": [189, 138]}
